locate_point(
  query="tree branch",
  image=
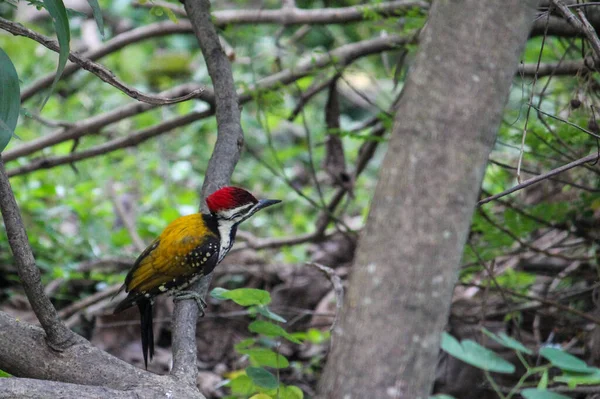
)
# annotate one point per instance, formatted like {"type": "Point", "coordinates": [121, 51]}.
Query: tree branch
{"type": "Point", "coordinates": [23, 353]}
{"type": "Point", "coordinates": [97, 69]}
{"type": "Point", "coordinates": [116, 43]}
{"type": "Point", "coordinates": [537, 179]}
{"type": "Point", "coordinates": [39, 389]}
{"type": "Point", "coordinates": [564, 68]}
{"type": "Point", "coordinates": [295, 16]}
{"type": "Point", "coordinates": [230, 139]}
{"type": "Point", "coordinates": [58, 335]}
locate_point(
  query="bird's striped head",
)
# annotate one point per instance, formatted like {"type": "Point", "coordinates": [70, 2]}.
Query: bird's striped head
{"type": "Point", "coordinates": [235, 204]}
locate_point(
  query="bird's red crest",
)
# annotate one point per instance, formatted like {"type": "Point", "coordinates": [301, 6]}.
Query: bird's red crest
{"type": "Point", "coordinates": [229, 198]}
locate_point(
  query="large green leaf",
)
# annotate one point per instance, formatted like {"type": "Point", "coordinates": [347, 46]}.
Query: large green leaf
{"type": "Point", "coordinates": [57, 11]}
{"type": "Point", "coordinates": [266, 357]}
{"type": "Point", "coordinates": [534, 393]}
{"type": "Point", "coordinates": [97, 11]}
{"type": "Point", "coordinates": [10, 99]}
{"type": "Point", "coordinates": [565, 361]}
{"type": "Point", "coordinates": [242, 385]}
{"type": "Point", "coordinates": [476, 355]}
{"type": "Point", "coordinates": [291, 392]}
{"type": "Point", "coordinates": [262, 377]}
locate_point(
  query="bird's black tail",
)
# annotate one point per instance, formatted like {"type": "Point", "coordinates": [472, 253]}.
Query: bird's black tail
{"type": "Point", "coordinates": [145, 306]}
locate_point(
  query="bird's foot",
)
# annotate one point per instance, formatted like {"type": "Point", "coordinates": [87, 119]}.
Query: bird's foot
{"type": "Point", "coordinates": [183, 295]}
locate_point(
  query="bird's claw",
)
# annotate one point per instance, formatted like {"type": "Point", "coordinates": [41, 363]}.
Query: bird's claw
{"type": "Point", "coordinates": [183, 295]}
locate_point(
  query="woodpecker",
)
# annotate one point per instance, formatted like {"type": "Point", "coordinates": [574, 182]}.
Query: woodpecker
{"type": "Point", "coordinates": [190, 247]}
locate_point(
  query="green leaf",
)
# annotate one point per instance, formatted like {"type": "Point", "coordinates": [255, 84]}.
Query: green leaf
{"type": "Point", "coordinates": [243, 296]}
{"type": "Point", "coordinates": [565, 361]}
{"type": "Point", "coordinates": [97, 11]}
{"type": "Point", "coordinates": [266, 357]}
{"type": "Point", "coordinates": [507, 341]}
{"type": "Point", "coordinates": [476, 355]}
{"type": "Point", "coordinates": [534, 393]}
{"type": "Point", "coordinates": [291, 392]}
{"type": "Point", "coordinates": [57, 11]}
{"type": "Point", "coordinates": [574, 379]}
{"type": "Point", "coordinates": [261, 396]}
{"type": "Point", "coordinates": [262, 377]}
{"type": "Point", "coordinates": [245, 343]}
{"type": "Point", "coordinates": [10, 99]}
{"type": "Point", "coordinates": [4, 374]}
{"type": "Point", "coordinates": [242, 385]}
{"type": "Point", "coordinates": [171, 15]}
{"type": "Point", "coordinates": [265, 311]}
{"type": "Point", "coordinates": [271, 330]}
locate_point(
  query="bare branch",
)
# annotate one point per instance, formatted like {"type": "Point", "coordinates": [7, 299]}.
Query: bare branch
{"type": "Point", "coordinates": [88, 301]}
{"type": "Point", "coordinates": [291, 15]}
{"type": "Point", "coordinates": [58, 335]}
{"type": "Point", "coordinates": [583, 25]}
{"type": "Point", "coordinates": [537, 179]}
{"type": "Point", "coordinates": [338, 288]}
{"type": "Point", "coordinates": [565, 68]}
{"type": "Point", "coordinates": [123, 142]}
{"type": "Point", "coordinates": [97, 69]}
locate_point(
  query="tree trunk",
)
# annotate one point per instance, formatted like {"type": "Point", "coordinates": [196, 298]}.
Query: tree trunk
{"type": "Point", "coordinates": [387, 341]}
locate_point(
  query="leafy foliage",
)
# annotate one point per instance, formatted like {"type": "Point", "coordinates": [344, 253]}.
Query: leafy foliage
{"type": "Point", "coordinates": [9, 99]}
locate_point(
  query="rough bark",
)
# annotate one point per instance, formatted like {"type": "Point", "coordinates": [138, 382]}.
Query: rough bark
{"type": "Point", "coordinates": [387, 343]}
{"type": "Point", "coordinates": [230, 140]}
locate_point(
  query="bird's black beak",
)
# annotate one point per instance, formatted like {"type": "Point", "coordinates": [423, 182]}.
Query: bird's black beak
{"type": "Point", "coordinates": [265, 203]}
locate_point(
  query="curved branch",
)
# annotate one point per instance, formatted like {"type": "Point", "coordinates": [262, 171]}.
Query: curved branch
{"type": "Point", "coordinates": [564, 68]}
{"type": "Point", "coordinates": [116, 43]}
{"type": "Point", "coordinates": [23, 353]}
{"type": "Point", "coordinates": [103, 73]}
{"type": "Point", "coordinates": [58, 335]}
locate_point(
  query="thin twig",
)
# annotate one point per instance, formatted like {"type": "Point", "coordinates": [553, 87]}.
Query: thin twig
{"type": "Point", "coordinates": [338, 289]}
{"type": "Point", "coordinates": [539, 178]}
{"type": "Point", "coordinates": [125, 217]}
